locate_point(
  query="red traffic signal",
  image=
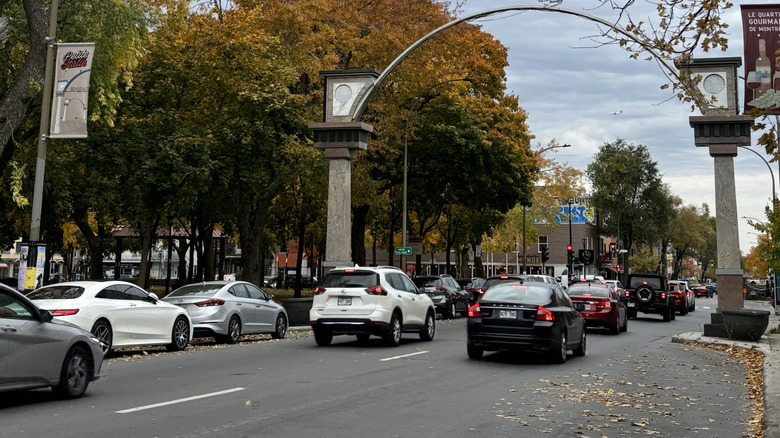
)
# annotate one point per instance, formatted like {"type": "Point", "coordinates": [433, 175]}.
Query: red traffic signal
{"type": "Point", "coordinates": [617, 268]}
{"type": "Point", "coordinates": [568, 247]}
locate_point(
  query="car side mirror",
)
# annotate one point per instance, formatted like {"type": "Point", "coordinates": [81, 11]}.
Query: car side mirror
{"type": "Point", "coordinates": [46, 316]}
{"type": "Point", "coordinates": [153, 298]}
{"type": "Point", "coordinates": [269, 297]}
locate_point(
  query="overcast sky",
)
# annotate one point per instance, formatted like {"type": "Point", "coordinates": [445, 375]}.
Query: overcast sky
{"type": "Point", "coordinates": [571, 88]}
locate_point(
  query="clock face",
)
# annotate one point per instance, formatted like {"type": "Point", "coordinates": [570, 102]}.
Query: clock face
{"type": "Point", "coordinates": [714, 83]}
{"type": "Point", "coordinates": [344, 95]}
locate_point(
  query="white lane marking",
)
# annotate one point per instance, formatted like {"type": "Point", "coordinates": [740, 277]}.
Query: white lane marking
{"type": "Point", "coordinates": [181, 400]}
{"type": "Point", "coordinates": [403, 356]}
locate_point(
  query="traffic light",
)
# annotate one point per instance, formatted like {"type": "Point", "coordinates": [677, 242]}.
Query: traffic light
{"type": "Point", "coordinates": [617, 268]}
{"type": "Point", "coordinates": [569, 255]}
{"type": "Point", "coordinates": [612, 248]}
{"type": "Point", "coordinates": [545, 254]}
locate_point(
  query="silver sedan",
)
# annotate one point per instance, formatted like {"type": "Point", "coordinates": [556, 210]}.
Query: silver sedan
{"type": "Point", "coordinates": [37, 351]}
{"type": "Point", "coordinates": [228, 309]}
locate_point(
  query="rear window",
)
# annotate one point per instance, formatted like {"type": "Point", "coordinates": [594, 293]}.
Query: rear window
{"type": "Point", "coordinates": [578, 290]}
{"type": "Point", "coordinates": [517, 294]}
{"type": "Point", "coordinates": [351, 279]}
{"type": "Point", "coordinates": [655, 283]}
{"type": "Point", "coordinates": [427, 282]}
{"type": "Point", "coordinates": [491, 282]}
{"type": "Point", "coordinates": [56, 293]}
{"type": "Point", "coordinates": [196, 289]}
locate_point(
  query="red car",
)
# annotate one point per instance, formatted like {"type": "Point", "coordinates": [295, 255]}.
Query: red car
{"type": "Point", "coordinates": [600, 305]}
{"type": "Point", "coordinates": [701, 291]}
{"type": "Point", "coordinates": [677, 290]}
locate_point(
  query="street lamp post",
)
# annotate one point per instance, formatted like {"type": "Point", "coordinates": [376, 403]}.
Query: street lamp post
{"type": "Point", "coordinates": [770, 173]}
{"type": "Point", "coordinates": [406, 162]}
{"type": "Point", "coordinates": [619, 254]}
{"type": "Point", "coordinates": [570, 248]}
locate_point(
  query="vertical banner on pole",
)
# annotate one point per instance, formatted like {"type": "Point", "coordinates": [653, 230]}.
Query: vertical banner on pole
{"type": "Point", "coordinates": [71, 89]}
{"type": "Point", "coordinates": [22, 274]}
{"type": "Point", "coordinates": [761, 32]}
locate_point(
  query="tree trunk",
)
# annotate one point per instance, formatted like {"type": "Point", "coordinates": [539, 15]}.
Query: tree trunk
{"type": "Point", "coordinates": [251, 213]}
{"type": "Point", "coordinates": [94, 245]}
{"type": "Point", "coordinates": [359, 215]}
{"type": "Point", "coordinates": [299, 257]}
{"type": "Point", "coordinates": [148, 233]}
{"type": "Point", "coordinates": [15, 106]}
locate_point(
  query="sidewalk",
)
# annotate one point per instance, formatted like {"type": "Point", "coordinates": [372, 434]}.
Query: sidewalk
{"type": "Point", "coordinates": [769, 344]}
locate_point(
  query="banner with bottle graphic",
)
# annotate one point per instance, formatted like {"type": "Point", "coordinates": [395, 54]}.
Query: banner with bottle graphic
{"type": "Point", "coordinates": [71, 89]}
{"type": "Point", "coordinates": [761, 32]}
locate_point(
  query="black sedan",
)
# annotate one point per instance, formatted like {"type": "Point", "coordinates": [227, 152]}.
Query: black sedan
{"type": "Point", "coordinates": [529, 316]}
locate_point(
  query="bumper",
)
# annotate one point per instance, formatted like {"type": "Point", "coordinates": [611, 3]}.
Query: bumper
{"type": "Point", "coordinates": [538, 338]}
{"type": "Point", "coordinates": [599, 319]}
{"type": "Point", "coordinates": [340, 326]}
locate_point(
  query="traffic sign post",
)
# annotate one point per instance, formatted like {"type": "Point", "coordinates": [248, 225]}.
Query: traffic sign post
{"type": "Point", "coordinates": [403, 251]}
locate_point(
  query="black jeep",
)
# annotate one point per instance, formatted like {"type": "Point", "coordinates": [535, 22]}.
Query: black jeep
{"type": "Point", "coordinates": [648, 293]}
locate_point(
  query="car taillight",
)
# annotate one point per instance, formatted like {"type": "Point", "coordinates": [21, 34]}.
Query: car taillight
{"type": "Point", "coordinates": [376, 290]}
{"type": "Point", "coordinates": [318, 290]}
{"type": "Point", "coordinates": [628, 295]}
{"type": "Point", "coordinates": [210, 303]}
{"type": "Point", "coordinates": [474, 310]}
{"type": "Point", "coordinates": [663, 295]}
{"type": "Point", "coordinates": [481, 291]}
{"type": "Point", "coordinates": [543, 314]}
{"type": "Point", "coordinates": [605, 304]}
{"type": "Point", "coordinates": [64, 312]}
{"type": "Point", "coordinates": [441, 288]}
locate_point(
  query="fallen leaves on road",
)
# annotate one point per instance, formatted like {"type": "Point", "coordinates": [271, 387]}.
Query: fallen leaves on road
{"type": "Point", "coordinates": [754, 367]}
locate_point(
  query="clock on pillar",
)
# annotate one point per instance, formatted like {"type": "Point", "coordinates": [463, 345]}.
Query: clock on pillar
{"type": "Point", "coordinates": [344, 90]}
{"type": "Point", "coordinates": [717, 87]}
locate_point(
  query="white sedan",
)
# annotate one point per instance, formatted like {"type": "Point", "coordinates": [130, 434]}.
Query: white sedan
{"type": "Point", "coordinates": [118, 313]}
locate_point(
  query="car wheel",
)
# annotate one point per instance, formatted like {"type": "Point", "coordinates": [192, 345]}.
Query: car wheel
{"type": "Point", "coordinates": [323, 337]}
{"type": "Point", "coordinates": [560, 349]}
{"type": "Point", "coordinates": [474, 352]}
{"type": "Point", "coordinates": [615, 329]}
{"type": "Point", "coordinates": [363, 337]}
{"type": "Point", "coordinates": [102, 331]}
{"type": "Point", "coordinates": [580, 351]}
{"type": "Point", "coordinates": [234, 331]}
{"type": "Point", "coordinates": [684, 310]}
{"type": "Point", "coordinates": [693, 306]}
{"type": "Point", "coordinates": [393, 337]}
{"type": "Point", "coordinates": [632, 314]}
{"type": "Point", "coordinates": [180, 335]}
{"type": "Point", "coordinates": [625, 325]}
{"type": "Point", "coordinates": [281, 327]}
{"type": "Point", "coordinates": [74, 377]}
{"type": "Point", "coordinates": [668, 313]}
{"type": "Point", "coordinates": [452, 312]}
{"type": "Point", "coordinates": [429, 330]}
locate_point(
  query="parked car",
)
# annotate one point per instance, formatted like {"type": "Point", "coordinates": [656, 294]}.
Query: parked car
{"type": "Point", "coordinates": [40, 352]}
{"type": "Point", "coordinates": [521, 317]}
{"type": "Point", "coordinates": [649, 293]}
{"type": "Point", "coordinates": [678, 293]}
{"type": "Point", "coordinates": [225, 310]}
{"type": "Point", "coordinates": [364, 301]}
{"type": "Point", "coordinates": [472, 286]}
{"type": "Point", "coordinates": [600, 305]}
{"type": "Point", "coordinates": [448, 297]}
{"type": "Point", "coordinates": [118, 313]}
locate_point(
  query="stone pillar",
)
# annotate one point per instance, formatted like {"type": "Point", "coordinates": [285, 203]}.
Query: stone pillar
{"type": "Point", "coordinates": [729, 270]}
{"type": "Point", "coordinates": [340, 141]}
{"type": "Point", "coordinates": [722, 135]}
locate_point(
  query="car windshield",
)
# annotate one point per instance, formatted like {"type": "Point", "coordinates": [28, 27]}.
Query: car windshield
{"type": "Point", "coordinates": [427, 282]}
{"type": "Point", "coordinates": [588, 290]}
{"type": "Point", "coordinates": [363, 279]}
{"type": "Point", "coordinates": [196, 289]}
{"type": "Point", "coordinates": [518, 294]}
{"type": "Point", "coordinates": [56, 293]}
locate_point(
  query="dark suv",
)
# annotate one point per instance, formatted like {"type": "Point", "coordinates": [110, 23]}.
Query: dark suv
{"type": "Point", "coordinates": [447, 295]}
{"type": "Point", "coordinates": [648, 293]}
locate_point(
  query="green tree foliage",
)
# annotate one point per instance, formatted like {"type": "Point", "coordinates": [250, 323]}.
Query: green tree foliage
{"type": "Point", "coordinates": [644, 260]}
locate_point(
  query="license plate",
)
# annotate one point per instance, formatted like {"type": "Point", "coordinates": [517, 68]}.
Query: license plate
{"type": "Point", "coordinates": [509, 314]}
{"type": "Point", "coordinates": [344, 301]}
{"type": "Point", "coordinates": [583, 307]}
{"type": "Point", "coordinates": [631, 304]}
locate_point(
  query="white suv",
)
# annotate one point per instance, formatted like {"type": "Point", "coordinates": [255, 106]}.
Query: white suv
{"type": "Point", "coordinates": [365, 301]}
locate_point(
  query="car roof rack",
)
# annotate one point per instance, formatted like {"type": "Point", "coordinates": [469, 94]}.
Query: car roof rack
{"type": "Point", "coordinates": [390, 267]}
